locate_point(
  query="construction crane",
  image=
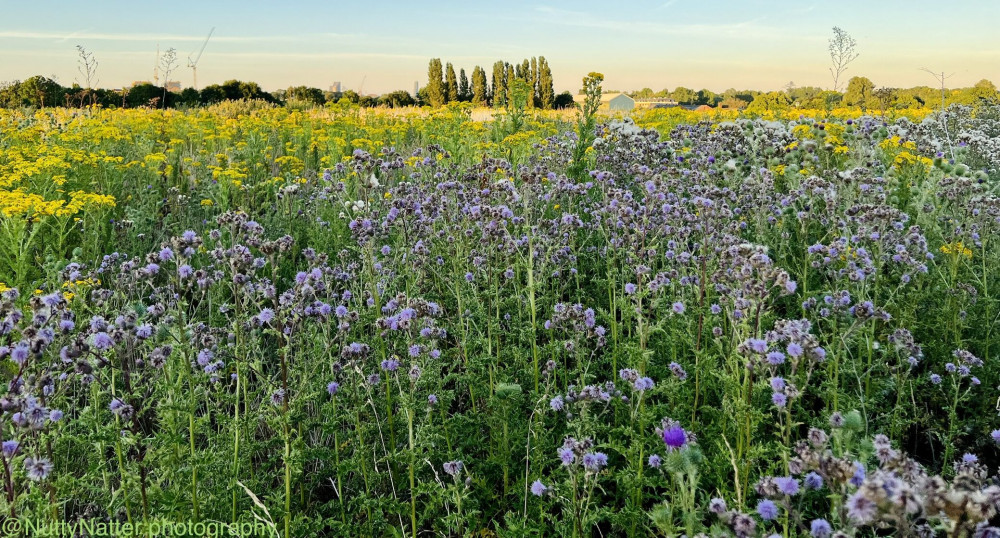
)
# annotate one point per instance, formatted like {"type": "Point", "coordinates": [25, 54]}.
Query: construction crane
{"type": "Point", "coordinates": [193, 64]}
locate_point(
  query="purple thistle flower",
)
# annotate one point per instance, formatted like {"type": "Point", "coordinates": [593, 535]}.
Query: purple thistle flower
{"type": "Point", "coordinates": [566, 455]}
{"type": "Point", "coordinates": [936, 379]}
{"type": "Point", "coordinates": [390, 365]}
{"type": "Point", "coordinates": [678, 307]}
{"type": "Point", "coordinates": [55, 415]}
{"type": "Point", "coordinates": [779, 399]}
{"type": "Point", "coordinates": [813, 481]}
{"type": "Point", "coordinates": [538, 488]}
{"type": "Point", "coordinates": [340, 311]}
{"type": "Point", "coordinates": [333, 388]}
{"type": "Point", "coordinates": [794, 350]}
{"type": "Point", "coordinates": [166, 254]}
{"type": "Point", "coordinates": [717, 506]}
{"type": "Point", "coordinates": [778, 384]}
{"type": "Point", "coordinates": [675, 437]}
{"type": "Point", "coordinates": [265, 316]}
{"type": "Point", "coordinates": [654, 461]}
{"type": "Point", "coordinates": [432, 399]}
{"type": "Point", "coordinates": [557, 405]}
{"type": "Point", "coordinates": [630, 288]}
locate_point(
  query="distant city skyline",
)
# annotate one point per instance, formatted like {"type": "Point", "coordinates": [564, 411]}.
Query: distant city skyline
{"type": "Point", "coordinates": [720, 44]}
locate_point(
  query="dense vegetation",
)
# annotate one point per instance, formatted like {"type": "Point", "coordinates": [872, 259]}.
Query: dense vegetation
{"type": "Point", "coordinates": [347, 322]}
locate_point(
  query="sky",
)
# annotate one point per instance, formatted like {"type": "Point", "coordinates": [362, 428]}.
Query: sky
{"type": "Point", "coordinates": [377, 47]}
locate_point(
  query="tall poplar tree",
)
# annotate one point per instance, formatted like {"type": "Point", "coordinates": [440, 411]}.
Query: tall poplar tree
{"type": "Point", "coordinates": [546, 91]}
{"type": "Point", "coordinates": [463, 86]}
{"type": "Point", "coordinates": [499, 85]}
{"type": "Point", "coordinates": [509, 78]}
{"type": "Point", "coordinates": [479, 88]}
{"type": "Point", "coordinates": [435, 84]}
{"type": "Point", "coordinates": [451, 84]}
{"type": "Point", "coordinates": [535, 97]}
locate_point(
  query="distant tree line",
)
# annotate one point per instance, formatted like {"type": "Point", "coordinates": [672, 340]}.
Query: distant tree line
{"type": "Point", "coordinates": [444, 87]}
{"type": "Point", "coordinates": [40, 91]}
{"type": "Point", "coordinates": [861, 93]}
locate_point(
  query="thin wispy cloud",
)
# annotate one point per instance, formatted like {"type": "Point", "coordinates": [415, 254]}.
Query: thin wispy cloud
{"type": "Point", "coordinates": [98, 36]}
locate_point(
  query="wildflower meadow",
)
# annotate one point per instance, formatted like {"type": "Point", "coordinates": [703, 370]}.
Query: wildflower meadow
{"type": "Point", "coordinates": [330, 321]}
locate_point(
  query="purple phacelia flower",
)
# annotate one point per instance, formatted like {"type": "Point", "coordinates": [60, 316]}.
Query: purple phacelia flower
{"type": "Point", "coordinates": [767, 510]}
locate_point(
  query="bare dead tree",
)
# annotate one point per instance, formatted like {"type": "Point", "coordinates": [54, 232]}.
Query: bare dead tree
{"type": "Point", "coordinates": [941, 78]}
{"type": "Point", "coordinates": [843, 51]}
{"type": "Point", "coordinates": [88, 69]}
{"type": "Point", "coordinates": [885, 97]}
{"type": "Point", "coordinates": [168, 62]}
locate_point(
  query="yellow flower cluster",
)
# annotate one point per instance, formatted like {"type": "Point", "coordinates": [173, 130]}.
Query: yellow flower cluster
{"type": "Point", "coordinates": [957, 249]}
{"type": "Point", "coordinates": [906, 159]}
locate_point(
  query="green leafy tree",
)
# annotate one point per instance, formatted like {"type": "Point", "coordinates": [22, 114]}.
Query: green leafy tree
{"type": "Point", "coordinates": [435, 84]}
{"type": "Point", "coordinates": [563, 100]}
{"type": "Point", "coordinates": [546, 91]}
{"type": "Point", "coordinates": [479, 87]}
{"type": "Point", "coordinates": [860, 93]}
{"type": "Point", "coordinates": [770, 101]}
{"type": "Point", "coordinates": [684, 95]}
{"type": "Point", "coordinates": [509, 76]}
{"type": "Point", "coordinates": [212, 94]}
{"type": "Point", "coordinates": [536, 97]}
{"type": "Point", "coordinates": [499, 85]}
{"type": "Point", "coordinates": [464, 93]}
{"type": "Point", "coordinates": [451, 84]}
{"type": "Point", "coordinates": [396, 99]}
{"type": "Point", "coordinates": [304, 93]}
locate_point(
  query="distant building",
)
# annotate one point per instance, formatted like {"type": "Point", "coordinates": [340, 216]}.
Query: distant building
{"type": "Point", "coordinates": [655, 102]}
{"type": "Point", "coordinates": [621, 102]}
{"type": "Point", "coordinates": [416, 88]}
{"type": "Point", "coordinates": [335, 87]}
{"type": "Point", "coordinates": [172, 85]}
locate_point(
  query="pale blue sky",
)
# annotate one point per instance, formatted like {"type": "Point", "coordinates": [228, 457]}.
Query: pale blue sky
{"type": "Point", "coordinates": [715, 44]}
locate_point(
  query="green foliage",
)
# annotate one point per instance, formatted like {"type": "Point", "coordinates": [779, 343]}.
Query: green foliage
{"type": "Point", "coordinates": [586, 123]}
{"type": "Point", "coordinates": [436, 95]}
